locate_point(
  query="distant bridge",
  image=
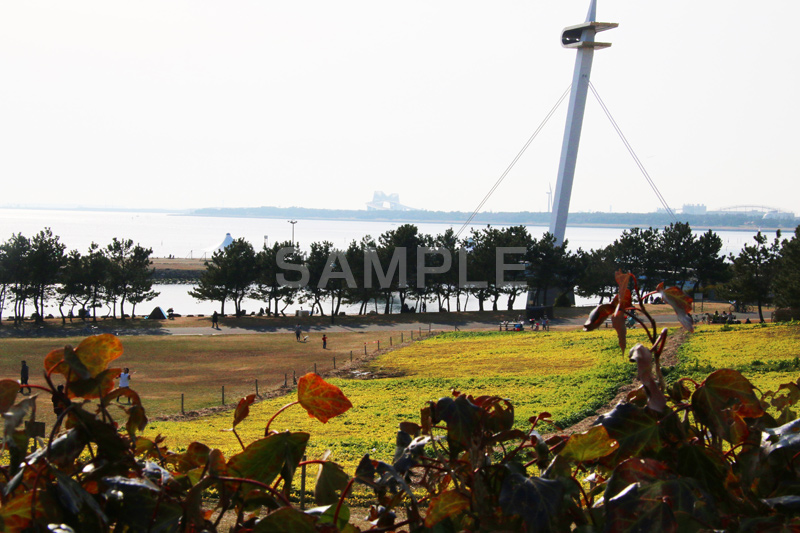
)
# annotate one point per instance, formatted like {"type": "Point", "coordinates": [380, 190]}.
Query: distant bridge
{"type": "Point", "coordinates": [767, 212]}
{"type": "Point", "coordinates": [759, 208]}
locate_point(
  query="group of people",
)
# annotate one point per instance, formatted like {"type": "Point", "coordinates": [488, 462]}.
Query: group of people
{"type": "Point", "coordinates": [298, 332]}
{"type": "Point", "coordinates": [723, 318]}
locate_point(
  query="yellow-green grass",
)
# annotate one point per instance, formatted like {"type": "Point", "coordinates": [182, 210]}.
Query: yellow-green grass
{"type": "Point", "coordinates": [768, 355]}
{"type": "Point", "coordinates": [569, 374]}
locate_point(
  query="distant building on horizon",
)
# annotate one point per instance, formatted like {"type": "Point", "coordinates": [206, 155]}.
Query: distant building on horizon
{"type": "Point", "coordinates": [694, 209]}
{"type": "Point", "coordinates": [387, 202]}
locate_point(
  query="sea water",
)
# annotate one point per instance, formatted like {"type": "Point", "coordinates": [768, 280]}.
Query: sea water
{"type": "Point", "coordinates": [185, 236]}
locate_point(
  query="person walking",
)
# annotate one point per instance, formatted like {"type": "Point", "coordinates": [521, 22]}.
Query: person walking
{"type": "Point", "coordinates": [125, 381]}
{"type": "Point", "coordinates": [324, 342]}
{"type": "Point", "coordinates": [215, 320]}
{"type": "Point", "coordinates": [23, 378]}
{"type": "Point", "coordinates": [297, 331]}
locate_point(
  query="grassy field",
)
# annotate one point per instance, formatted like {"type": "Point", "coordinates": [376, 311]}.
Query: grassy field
{"type": "Point", "coordinates": [567, 374]}
{"type": "Point", "coordinates": [166, 366]}
{"type": "Point", "coordinates": [768, 355]}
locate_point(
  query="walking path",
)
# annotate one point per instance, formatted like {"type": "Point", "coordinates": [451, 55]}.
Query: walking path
{"type": "Point", "coordinates": [486, 321]}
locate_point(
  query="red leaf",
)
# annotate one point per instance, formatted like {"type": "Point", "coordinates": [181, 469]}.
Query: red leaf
{"type": "Point", "coordinates": [8, 394]}
{"type": "Point", "coordinates": [680, 302]}
{"type": "Point", "coordinates": [625, 300]}
{"type": "Point", "coordinates": [322, 400]}
{"type": "Point", "coordinates": [618, 321]}
{"type": "Point", "coordinates": [599, 315]}
{"type": "Point", "coordinates": [243, 408]}
{"type": "Point", "coordinates": [447, 504]}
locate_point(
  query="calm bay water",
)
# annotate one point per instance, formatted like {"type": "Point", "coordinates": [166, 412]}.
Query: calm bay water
{"type": "Point", "coordinates": [191, 236]}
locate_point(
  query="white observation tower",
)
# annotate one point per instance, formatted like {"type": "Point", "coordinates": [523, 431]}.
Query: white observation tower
{"type": "Point", "coordinates": [580, 37]}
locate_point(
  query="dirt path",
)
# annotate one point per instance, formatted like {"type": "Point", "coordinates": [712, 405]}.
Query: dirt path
{"type": "Point", "coordinates": [669, 358]}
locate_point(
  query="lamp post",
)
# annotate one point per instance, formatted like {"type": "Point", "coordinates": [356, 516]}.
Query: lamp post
{"type": "Point", "coordinates": [292, 222]}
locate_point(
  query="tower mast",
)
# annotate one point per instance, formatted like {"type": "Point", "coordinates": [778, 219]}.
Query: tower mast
{"type": "Point", "coordinates": [581, 37]}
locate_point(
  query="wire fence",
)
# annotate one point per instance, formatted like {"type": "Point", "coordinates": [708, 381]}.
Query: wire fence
{"type": "Point", "coordinates": [282, 378]}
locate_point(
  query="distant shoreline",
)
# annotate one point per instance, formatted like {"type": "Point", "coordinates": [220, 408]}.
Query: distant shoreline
{"type": "Point", "coordinates": [731, 222]}
{"type": "Point", "coordinates": [719, 222]}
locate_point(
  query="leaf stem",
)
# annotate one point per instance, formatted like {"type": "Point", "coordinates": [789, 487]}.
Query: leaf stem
{"type": "Point", "coordinates": [341, 501]}
{"type": "Point", "coordinates": [282, 409]}
{"type": "Point", "coordinates": [238, 438]}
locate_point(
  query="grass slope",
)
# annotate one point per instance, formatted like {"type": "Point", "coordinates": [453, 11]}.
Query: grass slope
{"type": "Point", "coordinates": [569, 374]}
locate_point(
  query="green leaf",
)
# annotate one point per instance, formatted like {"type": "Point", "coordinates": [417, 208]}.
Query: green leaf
{"type": "Point", "coordinates": [265, 459]}
{"type": "Point", "coordinates": [448, 504]}
{"type": "Point", "coordinates": [286, 520]}
{"type": "Point", "coordinates": [331, 481]}
{"type": "Point", "coordinates": [589, 445]}
{"type": "Point", "coordinates": [538, 501]}
{"type": "Point", "coordinates": [722, 401]}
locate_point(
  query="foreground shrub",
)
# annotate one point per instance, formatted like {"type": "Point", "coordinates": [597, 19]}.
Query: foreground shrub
{"type": "Point", "coordinates": [691, 456]}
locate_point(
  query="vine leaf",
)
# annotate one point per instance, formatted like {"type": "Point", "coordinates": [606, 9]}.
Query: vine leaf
{"type": "Point", "coordinates": [462, 418]}
{"type": "Point", "coordinates": [538, 501]}
{"type": "Point", "coordinates": [635, 429]}
{"type": "Point", "coordinates": [447, 504]}
{"type": "Point", "coordinates": [331, 480]}
{"type": "Point", "coordinates": [322, 400]}
{"type": "Point", "coordinates": [265, 459]}
{"type": "Point", "coordinates": [640, 470]}
{"type": "Point", "coordinates": [723, 401]}
{"type": "Point", "coordinates": [589, 445]}
{"type": "Point", "coordinates": [196, 456]}
{"type": "Point", "coordinates": [16, 512]}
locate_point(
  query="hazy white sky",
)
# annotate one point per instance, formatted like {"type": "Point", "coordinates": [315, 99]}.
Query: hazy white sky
{"type": "Point", "coordinates": [185, 104]}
